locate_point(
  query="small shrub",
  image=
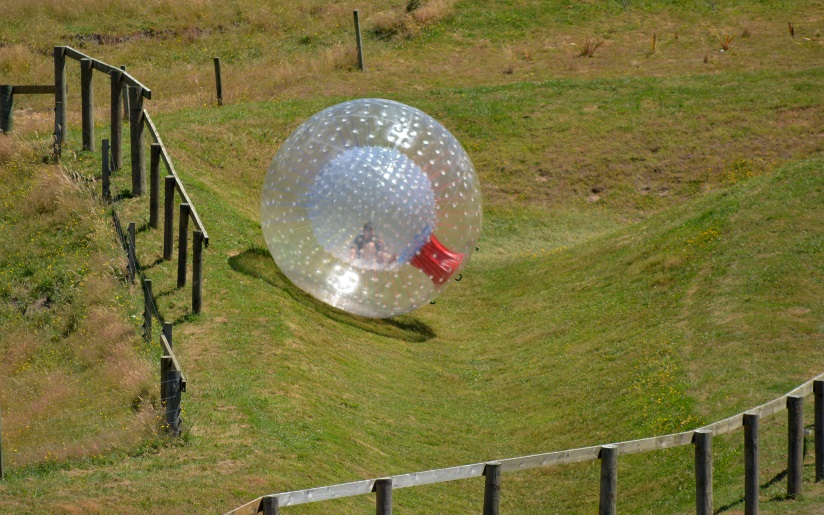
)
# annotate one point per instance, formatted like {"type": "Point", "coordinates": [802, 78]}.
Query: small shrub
{"type": "Point", "coordinates": [589, 48]}
{"type": "Point", "coordinates": [726, 42]}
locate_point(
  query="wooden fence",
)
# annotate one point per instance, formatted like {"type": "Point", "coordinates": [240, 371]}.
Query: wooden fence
{"type": "Point", "coordinates": [139, 119]}
{"type": "Point", "coordinates": [608, 454]}
{"type": "Point", "coordinates": [127, 95]}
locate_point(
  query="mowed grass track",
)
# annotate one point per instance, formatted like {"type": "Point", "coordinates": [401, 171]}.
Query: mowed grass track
{"type": "Point", "coordinates": [688, 290]}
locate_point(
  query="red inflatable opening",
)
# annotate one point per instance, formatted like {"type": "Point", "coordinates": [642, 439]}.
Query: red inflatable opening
{"type": "Point", "coordinates": [438, 262]}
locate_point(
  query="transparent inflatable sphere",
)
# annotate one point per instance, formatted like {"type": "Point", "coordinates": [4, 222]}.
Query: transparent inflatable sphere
{"type": "Point", "coordinates": [371, 206]}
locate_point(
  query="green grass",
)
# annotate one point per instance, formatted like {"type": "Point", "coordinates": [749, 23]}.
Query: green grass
{"type": "Point", "coordinates": [650, 262]}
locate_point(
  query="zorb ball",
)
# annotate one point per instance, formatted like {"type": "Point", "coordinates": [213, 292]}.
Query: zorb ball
{"type": "Point", "coordinates": [371, 206]}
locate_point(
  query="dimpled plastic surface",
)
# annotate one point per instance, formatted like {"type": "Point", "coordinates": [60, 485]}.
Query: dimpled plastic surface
{"type": "Point", "coordinates": [355, 195]}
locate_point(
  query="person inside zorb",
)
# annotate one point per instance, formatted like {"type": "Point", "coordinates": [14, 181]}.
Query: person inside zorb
{"type": "Point", "coordinates": [370, 248]}
{"type": "Point", "coordinates": [371, 206]}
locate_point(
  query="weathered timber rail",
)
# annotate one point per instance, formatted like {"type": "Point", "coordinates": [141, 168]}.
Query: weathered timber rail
{"type": "Point", "coordinates": [701, 438]}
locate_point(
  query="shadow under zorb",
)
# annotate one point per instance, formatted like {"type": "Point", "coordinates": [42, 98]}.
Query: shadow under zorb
{"type": "Point", "coordinates": [371, 206]}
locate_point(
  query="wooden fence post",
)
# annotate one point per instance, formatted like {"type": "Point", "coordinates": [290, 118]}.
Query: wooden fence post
{"type": "Point", "coordinates": [167, 332]}
{"type": "Point", "coordinates": [818, 391]}
{"type": "Point", "coordinates": [147, 309]}
{"type": "Point", "coordinates": [182, 244]}
{"type": "Point", "coordinates": [492, 488]}
{"type": "Point", "coordinates": [154, 184]}
{"type": "Point", "coordinates": [795, 444]}
{"type": "Point", "coordinates": [609, 480]}
{"type": "Point", "coordinates": [168, 215]}
{"type": "Point", "coordinates": [6, 108]}
{"type": "Point", "coordinates": [165, 367]}
{"type": "Point", "coordinates": [218, 82]}
{"type": "Point", "coordinates": [359, 40]}
{"type": "Point", "coordinates": [60, 116]}
{"type": "Point", "coordinates": [105, 172]}
{"type": "Point", "coordinates": [703, 472]}
{"type": "Point", "coordinates": [125, 93]}
{"type": "Point", "coordinates": [87, 103]}
{"type": "Point", "coordinates": [383, 498]}
{"type": "Point", "coordinates": [751, 446]}
{"type": "Point", "coordinates": [117, 119]}
{"type": "Point", "coordinates": [173, 401]}
{"type": "Point", "coordinates": [197, 271]}
{"type": "Point", "coordinates": [136, 132]}
{"type": "Point", "coordinates": [2, 472]}
{"type": "Point", "coordinates": [132, 255]}
{"type": "Point", "coordinates": [269, 505]}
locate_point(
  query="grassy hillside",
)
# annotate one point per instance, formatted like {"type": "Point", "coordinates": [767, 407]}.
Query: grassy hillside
{"type": "Point", "coordinates": [651, 258]}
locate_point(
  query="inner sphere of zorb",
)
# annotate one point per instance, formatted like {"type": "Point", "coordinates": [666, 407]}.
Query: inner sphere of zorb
{"type": "Point", "coordinates": [371, 206]}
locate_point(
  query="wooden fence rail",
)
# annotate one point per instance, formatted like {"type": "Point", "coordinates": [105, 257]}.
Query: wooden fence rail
{"type": "Point", "coordinates": [607, 453]}
{"type": "Point", "coordinates": [167, 161]}
{"type": "Point", "coordinates": [7, 93]}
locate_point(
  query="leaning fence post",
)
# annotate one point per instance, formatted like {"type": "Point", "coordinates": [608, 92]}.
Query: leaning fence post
{"type": "Point", "coordinates": [87, 103]}
{"type": "Point", "coordinates": [104, 172]}
{"type": "Point", "coordinates": [609, 480]}
{"type": "Point", "coordinates": [136, 132]}
{"type": "Point", "coordinates": [168, 215]}
{"type": "Point", "coordinates": [131, 254]}
{"type": "Point", "coordinates": [269, 505]}
{"type": "Point", "coordinates": [6, 108]}
{"type": "Point", "coordinates": [703, 471]}
{"type": "Point", "coordinates": [492, 488]}
{"type": "Point", "coordinates": [154, 184]}
{"type": "Point", "coordinates": [147, 309]}
{"type": "Point", "coordinates": [218, 82]}
{"type": "Point", "coordinates": [818, 391]}
{"type": "Point", "coordinates": [383, 498]}
{"type": "Point", "coordinates": [60, 116]}
{"type": "Point", "coordinates": [182, 243]}
{"type": "Point", "coordinates": [359, 40]}
{"type": "Point", "coordinates": [197, 271]}
{"type": "Point", "coordinates": [751, 445]}
{"type": "Point", "coordinates": [117, 119]}
{"type": "Point", "coordinates": [173, 401]}
{"type": "Point", "coordinates": [795, 444]}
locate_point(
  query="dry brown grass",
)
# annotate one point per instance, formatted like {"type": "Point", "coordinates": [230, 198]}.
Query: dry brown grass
{"type": "Point", "coordinates": [53, 190]}
{"type": "Point", "coordinates": [392, 24]}
{"type": "Point", "coordinates": [406, 23]}
{"type": "Point", "coordinates": [9, 147]}
{"type": "Point", "coordinates": [71, 364]}
{"type": "Point", "coordinates": [434, 11]}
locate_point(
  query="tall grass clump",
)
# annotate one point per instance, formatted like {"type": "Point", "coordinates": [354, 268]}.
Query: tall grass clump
{"type": "Point", "coordinates": [74, 377]}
